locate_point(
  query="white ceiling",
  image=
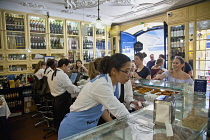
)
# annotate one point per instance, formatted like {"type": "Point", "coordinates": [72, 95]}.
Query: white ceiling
{"type": "Point", "coordinates": [111, 11]}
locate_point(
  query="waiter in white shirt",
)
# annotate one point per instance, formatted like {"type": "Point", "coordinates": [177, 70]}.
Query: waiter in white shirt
{"type": "Point", "coordinates": [62, 89]}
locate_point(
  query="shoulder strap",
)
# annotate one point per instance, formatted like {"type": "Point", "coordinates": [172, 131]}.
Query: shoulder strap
{"type": "Point", "coordinates": [121, 99]}
{"type": "Point", "coordinates": [54, 74]}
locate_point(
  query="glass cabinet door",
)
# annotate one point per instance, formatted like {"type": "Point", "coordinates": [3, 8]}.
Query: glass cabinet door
{"type": "Point", "coordinates": [177, 41]}
{"type": "Point", "coordinates": [100, 32]}
{"type": "Point", "coordinates": [58, 56]}
{"type": "Point", "coordinates": [17, 67]}
{"type": "Point", "coordinates": [87, 43]}
{"type": "Point", "coordinates": [16, 57]}
{"type": "Point", "coordinates": [2, 57]}
{"type": "Point", "coordinates": [73, 56]}
{"type": "Point", "coordinates": [37, 56]}
{"type": "Point", "coordinates": [88, 56]}
{"type": "Point", "coordinates": [15, 27]}
{"type": "Point", "coordinates": [72, 28]}
{"type": "Point", "coordinates": [203, 50]}
{"type": "Point", "coordinates": [56, 34]}
{"type": "Point", "coordinates": [15, 40]}
{"type": "Point", "coordinates": [37, 28]}
{"type": "Point", "coordinates": [2, 68]}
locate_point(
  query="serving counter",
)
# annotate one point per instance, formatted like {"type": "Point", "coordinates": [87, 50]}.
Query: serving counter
{"type": "Point", "coordinates": [191, 117]}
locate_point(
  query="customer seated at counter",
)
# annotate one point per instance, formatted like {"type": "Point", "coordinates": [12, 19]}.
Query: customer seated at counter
{"type": "Point", "coordinates": [156, 69]}
{"type": "Point", "coordinates": [141, 72]}
{"type": "Point", "coordinates": [79, 67]}
{"type": "Point", "coordinates": [176, 75]}
{"type": "Point", "coordinates": [100, 91]}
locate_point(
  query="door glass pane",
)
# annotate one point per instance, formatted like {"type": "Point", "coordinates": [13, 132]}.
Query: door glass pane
{"type": "Point", "coordinates": [17, 57]}
{"type": "Point", "coordinates": [15, 40]}
{"type": "Point", "coordinates": [37, 24]}
{"type": "Point", "coordinates": [72, 28]}
{"type": "Point", "coordinates": [14, 22]}
{"type": "Point", "coordinates": [38, 41]}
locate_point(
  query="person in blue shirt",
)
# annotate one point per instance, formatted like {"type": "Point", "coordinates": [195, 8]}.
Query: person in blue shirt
{"type": "Point", "coordinates": [151, 62]}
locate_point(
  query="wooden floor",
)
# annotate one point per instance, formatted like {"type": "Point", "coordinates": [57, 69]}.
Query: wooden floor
{"type": "Point", "coordinates": [22, 128]}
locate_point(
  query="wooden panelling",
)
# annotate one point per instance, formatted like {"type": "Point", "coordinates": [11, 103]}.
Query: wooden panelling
{"type": "Point", "coordinates": [192, 12]}
{"type": "Point", "coordinates": [179, 15]}
{"type": "Point", "coordinates": [203, 10]}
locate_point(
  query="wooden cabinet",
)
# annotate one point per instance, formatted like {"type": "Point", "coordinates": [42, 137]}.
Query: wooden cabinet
{"type": "Point", "coordinates": [27, 38]}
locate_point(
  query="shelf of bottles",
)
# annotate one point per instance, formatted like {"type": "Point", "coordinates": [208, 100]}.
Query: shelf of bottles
{"type": "Point", "coordinates": [16, 57]}
{"type": "Point", "coordinates": [37, 56]}
{"type": "Point", "coordinates": [88, 56]}
{"type": "Point", "coordinates": [73, 56]}
{"type": "Point", "coordinates": [73, 43]}
{"type": "Point", "coordinates": [17, 67]}
{"type": "Point", "coordinates": [72, 28]}
{"type": "Point", "coordinates": [15, 40]}
{"type": "Point", "coordinates": [14, 101]}
{"type": "Point", "coordinates": [177, 41]}
{"type": "Point", "coordinates": [37, 28]}
{"type": "Point", "coordinates": [203, 50]}
{"type": "Point", "coordinates": [100, 48]}
{"type": "Point", "coordinates": [15, 31]}
{"type": "Point", "coordinates": [100, 33]}
{"type": "Point", "coordinates": [87, 42]}
{"type": "Point", "coordinates": [14, 22]}
{"type": "Point", "coordinates": [56, 34]}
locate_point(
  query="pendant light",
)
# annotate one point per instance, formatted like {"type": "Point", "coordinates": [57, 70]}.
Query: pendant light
{"type": "Point", "coordinates": [98, 23]}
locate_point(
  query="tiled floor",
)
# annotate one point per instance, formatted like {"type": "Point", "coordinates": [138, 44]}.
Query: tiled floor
{"type": "Point", "coordinates": [22, 128]}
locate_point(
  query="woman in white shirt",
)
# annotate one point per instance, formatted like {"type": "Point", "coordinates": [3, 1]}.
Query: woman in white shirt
{"type": "Point", "coordinates": [39, 69]}
{"type": "Point", "coordinates": [100, 91]}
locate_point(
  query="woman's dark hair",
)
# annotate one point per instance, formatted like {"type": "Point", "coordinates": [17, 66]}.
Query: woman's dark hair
{"type": "Point", "coordinates": [162, 56]}
{"type": "Point", "coordinates": [51, 63]}
{"type": "Point", "coordinates": [116, 61]}
{"type": "Point", "coordinates": [93, 68]}
{"type": "Point", "coordinates": [180, 59]}
{"type": "Point", "coordinates": [141, 55]}
{"type": "Point", "coordinates": [160, 60]}
{"type": "Point", "coordinates": [76, 63]}
{"type": "Point", "coordinates": [63, 61]}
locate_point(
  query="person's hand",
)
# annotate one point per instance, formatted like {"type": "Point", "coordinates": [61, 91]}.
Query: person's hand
{"type": "Point", "coordinates": [138, 104]}
{"type": "Point", "coordinates": [135, 74]}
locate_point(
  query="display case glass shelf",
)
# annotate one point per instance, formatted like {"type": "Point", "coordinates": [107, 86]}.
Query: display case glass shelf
{"type": "Point", "coordinates": [191, 116]}
{"type": "Point", "coordinates": [162, 84]}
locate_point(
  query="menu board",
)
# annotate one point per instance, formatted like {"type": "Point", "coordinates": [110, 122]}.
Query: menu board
{"type": "Point", "coordinates": [200, 85]}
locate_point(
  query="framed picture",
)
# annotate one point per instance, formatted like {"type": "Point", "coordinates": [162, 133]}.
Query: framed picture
{"type": "Point", "coordinates": [48, 57]}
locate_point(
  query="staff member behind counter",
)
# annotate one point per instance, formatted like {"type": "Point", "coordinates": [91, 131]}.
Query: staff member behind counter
{"type": "Point", "coordinates": [62, 89]}
{"type": "Point", "coordinates": [100, 91]}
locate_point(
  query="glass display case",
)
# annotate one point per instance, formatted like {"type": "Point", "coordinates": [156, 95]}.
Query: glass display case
{"type": "Point", "coordinates": [88, 56]}
{"type": "Point", "coordinates": [37, 56]}
{"type": "Point", "coordinates": [17, 67]}
{"type": "Point", "coordinates": [2, 57]}
{"type": "Point", "coordinates": [16, 57]}
{"type": "Point", "coordinates": [56, 34]}
{"type": "Point", "coordinates": [37, 28]}
{"type": "Point", "coordinates": [177, 41]}
{"type": "Point", "coordinates": [2, 68]}
{"type": "Point", "coordinates": [15, 27]}
{"type": "Point", "coordinates": [191, 116]}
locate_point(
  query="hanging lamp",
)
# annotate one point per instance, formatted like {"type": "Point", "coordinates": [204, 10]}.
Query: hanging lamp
{"type": "Point", "coordinates": [98, 23]}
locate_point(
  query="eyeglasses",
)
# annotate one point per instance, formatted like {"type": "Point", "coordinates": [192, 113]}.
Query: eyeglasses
{"type": "Point", "coordinates": [127, 72]}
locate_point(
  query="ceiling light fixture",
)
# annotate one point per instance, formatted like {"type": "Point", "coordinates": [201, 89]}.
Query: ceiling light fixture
{"type": "Point", "coordinates": [98, 23]}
